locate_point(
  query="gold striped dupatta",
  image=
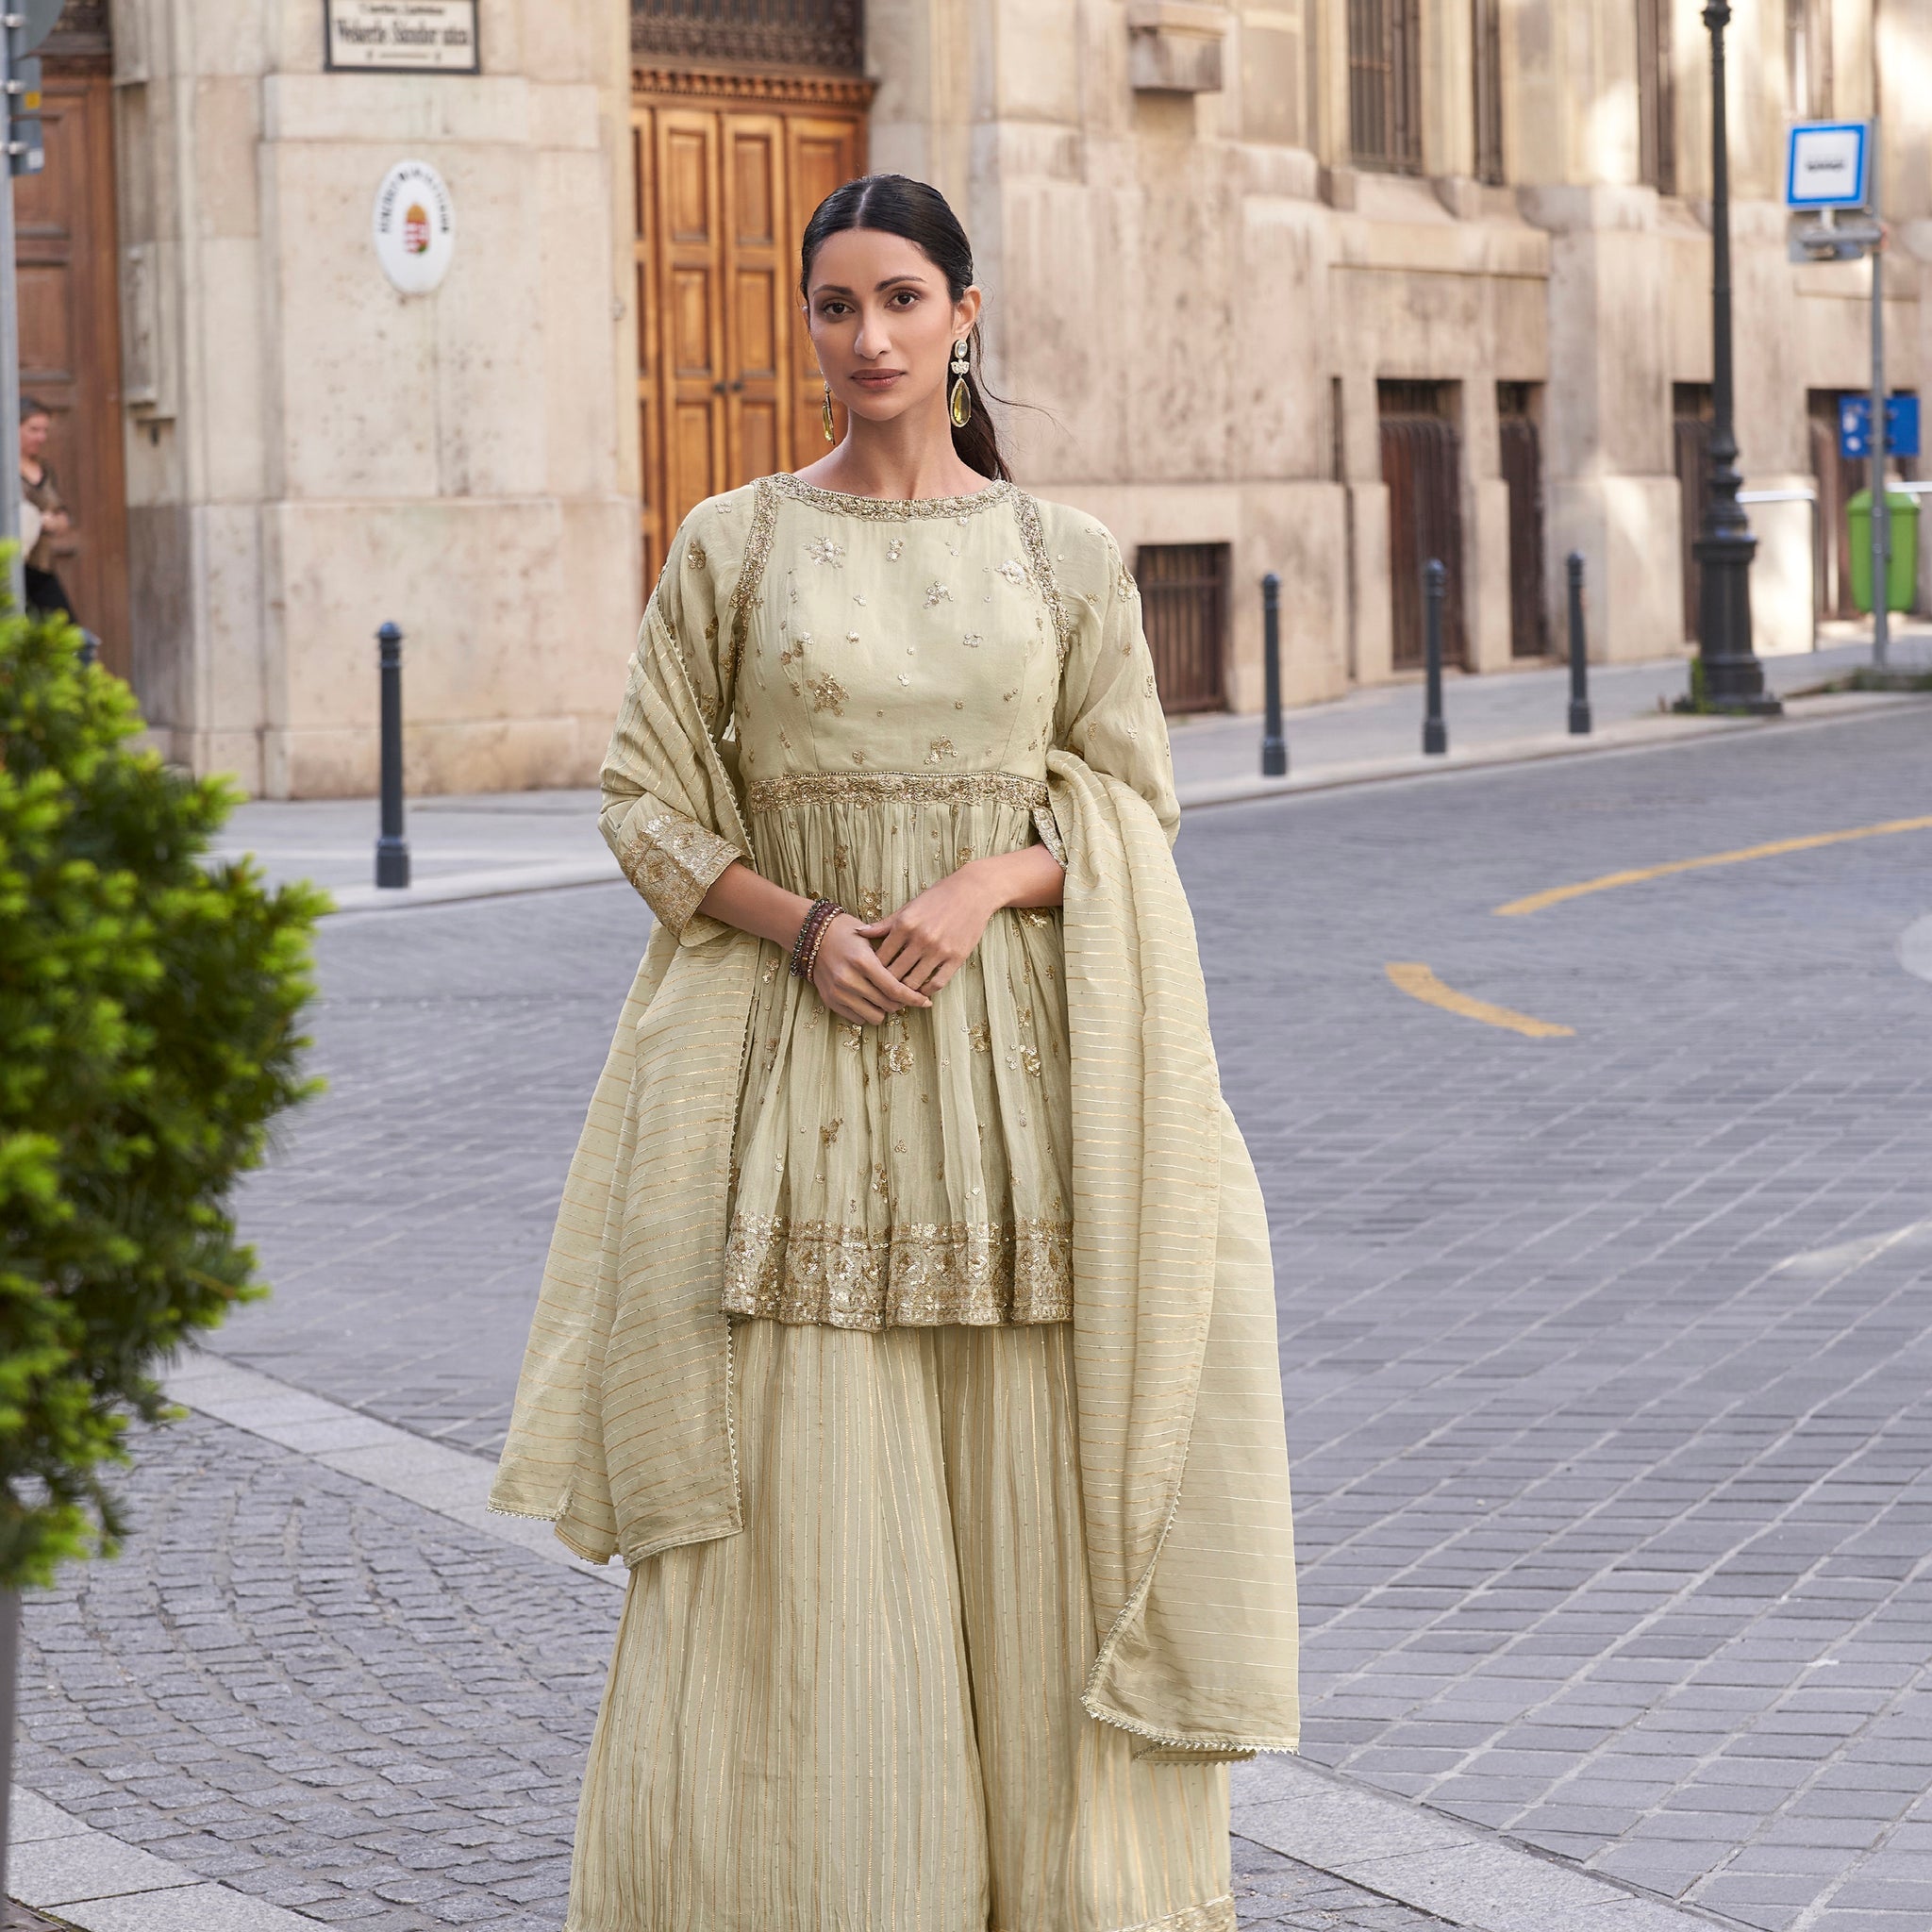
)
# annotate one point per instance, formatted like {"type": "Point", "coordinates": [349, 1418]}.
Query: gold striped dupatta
{"type": "Point", "coordinates": [622, 1430]}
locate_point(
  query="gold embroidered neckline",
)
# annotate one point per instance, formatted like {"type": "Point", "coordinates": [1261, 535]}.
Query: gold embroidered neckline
{"type": "Point", "coordinates": [888, 508]}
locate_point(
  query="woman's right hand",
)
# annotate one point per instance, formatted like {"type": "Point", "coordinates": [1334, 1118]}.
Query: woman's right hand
{"type": "Point", "coordinates": [851, 981]}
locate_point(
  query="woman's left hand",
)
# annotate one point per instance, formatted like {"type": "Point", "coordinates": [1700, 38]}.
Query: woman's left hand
{"type": "Point", "coordinates": [924, 944]}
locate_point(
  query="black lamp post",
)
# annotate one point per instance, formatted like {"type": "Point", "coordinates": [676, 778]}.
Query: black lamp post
{"type": "Point", "coordinates": [1733, 677]}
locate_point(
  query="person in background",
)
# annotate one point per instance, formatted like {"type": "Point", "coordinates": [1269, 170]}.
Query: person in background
{"type": "Point", "coordinates": [37, 485]}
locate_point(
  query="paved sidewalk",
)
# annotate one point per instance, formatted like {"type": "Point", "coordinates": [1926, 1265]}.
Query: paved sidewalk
{"type": "Point", "coordinates": [483, 845]}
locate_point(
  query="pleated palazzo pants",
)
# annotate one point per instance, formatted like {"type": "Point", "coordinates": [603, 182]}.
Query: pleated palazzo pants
{"type": "Point", "coordinates": [862, 1714]}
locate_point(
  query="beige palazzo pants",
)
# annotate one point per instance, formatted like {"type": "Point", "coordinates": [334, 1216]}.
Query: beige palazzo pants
{"type": "Point", "coordinates": [862, 1714]}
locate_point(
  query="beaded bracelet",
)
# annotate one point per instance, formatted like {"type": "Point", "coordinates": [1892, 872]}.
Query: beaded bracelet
{"type": "Point", "coordinates": [805, 948]}
{"type": "Point", "coordinates": [813, 914]}
{"type": "Point", "coordinates": [811, 957]}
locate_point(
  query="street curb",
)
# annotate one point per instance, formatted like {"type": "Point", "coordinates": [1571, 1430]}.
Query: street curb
{"type": "Point", "coordinates": [1642, 734]}
{"type": "Point", "coordinates": [1474, 1879]}
{"type": "Point", "coordinates": [86, 1876]}
{"type": "Point", "coordinates": [446, 1481]}
{"type": "Point", "coordinates": [499, 884]}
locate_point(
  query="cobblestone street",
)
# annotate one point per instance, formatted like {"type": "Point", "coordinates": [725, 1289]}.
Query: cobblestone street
{"type": "Point", "coordinates": [1607, 1358]}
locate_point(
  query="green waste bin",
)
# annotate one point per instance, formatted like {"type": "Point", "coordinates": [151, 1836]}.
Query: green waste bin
{"type": "Point", "coordinates": [1902, 576]}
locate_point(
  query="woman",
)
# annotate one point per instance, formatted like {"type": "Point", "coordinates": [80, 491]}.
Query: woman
{"type": "Point", "coordinates": [37, 487]}
{"type": "Point", "coordinates": [909, 1325]}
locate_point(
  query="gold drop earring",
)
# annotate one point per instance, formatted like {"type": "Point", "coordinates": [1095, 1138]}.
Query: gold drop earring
{"type": "Point", "coordinates": [961, 397]}
{"type": "Point", "coordinates": [825, 415]}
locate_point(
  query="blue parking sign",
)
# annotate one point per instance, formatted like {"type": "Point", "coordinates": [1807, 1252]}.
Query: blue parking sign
{"type": "Point", "coordinates": [1854, 426]}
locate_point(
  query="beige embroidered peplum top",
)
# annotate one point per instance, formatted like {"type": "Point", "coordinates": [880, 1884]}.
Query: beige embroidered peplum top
{"type": "Point", "coordinates": [884, 682]}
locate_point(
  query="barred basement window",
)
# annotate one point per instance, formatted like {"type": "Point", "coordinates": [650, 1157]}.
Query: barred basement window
{"type": "Point", "coordinates": [1184, 606]}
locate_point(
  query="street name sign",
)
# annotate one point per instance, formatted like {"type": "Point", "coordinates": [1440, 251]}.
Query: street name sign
{"type": "Point", "coordinates": [402, 35]}
{"type": "Point", "coordinates": [1828, 164]}
{"type": "Point", "coordinates": [1854, 426]}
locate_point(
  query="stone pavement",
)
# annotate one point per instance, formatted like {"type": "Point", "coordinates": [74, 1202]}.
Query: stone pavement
{"type": "Point", "coordinates": [1606, 1362]}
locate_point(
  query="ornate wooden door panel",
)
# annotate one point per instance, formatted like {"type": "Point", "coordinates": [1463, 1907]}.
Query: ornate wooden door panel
{"type": "Point", "coordinates": [756, 323]}
{"type": "Point", "coordinates": [690, 326]}
{"type": "Point", "coordinates": [727, 384]}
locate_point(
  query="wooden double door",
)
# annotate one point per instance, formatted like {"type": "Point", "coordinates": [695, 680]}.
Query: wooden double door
{"type": "Point", "coordinates": [70, 343]}
{"type": "Point", "coordinates": [728, 387]}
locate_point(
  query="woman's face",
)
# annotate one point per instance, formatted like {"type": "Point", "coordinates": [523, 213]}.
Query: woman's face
{"type": "Point", "coordinates": [33, 436]}
{"type": "Point", "coordinates": [883, 323]}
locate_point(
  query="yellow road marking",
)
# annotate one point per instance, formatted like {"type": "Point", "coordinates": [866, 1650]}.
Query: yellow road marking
{"type": "Point", "coordinates": [1418, 983]}
{"type": "Point", "coordinates": [1557, 894]}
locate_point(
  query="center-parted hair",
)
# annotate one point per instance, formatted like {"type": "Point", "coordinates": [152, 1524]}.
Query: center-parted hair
{"type": "Point", "coordinates": [897, 204]}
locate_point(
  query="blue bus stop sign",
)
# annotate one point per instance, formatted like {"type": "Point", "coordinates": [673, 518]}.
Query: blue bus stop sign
{"type": "Point", "coordinates": [1854, 426]}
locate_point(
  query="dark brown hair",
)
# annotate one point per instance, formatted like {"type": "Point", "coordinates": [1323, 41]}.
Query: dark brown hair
{"type": "Point", "coordinates": [897, 204]}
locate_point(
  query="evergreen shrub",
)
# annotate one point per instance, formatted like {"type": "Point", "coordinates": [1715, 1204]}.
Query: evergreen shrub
{"type": "Point", "coordinates": [149, 1009]}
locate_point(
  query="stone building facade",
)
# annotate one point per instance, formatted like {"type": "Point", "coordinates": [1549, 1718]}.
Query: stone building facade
{"type": "Point", "coordinates": [1321, 287]}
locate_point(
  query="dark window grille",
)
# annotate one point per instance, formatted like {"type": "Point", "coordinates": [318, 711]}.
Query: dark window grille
{"type": "Point", "coordinates": [1692, 412]}
{"type": "Point", "coordinates": [1184, 608]}
{"type": "Point", "coordinates": [1523, 476]}
{"type": "Point", "coordinates": [1488, 91]}
{"type": "Point", "coordinates": [1385, 85]}
{"type": "Point", "coordinates": [1422, 464]}
{"type": "Point", "coordinates": [1657, 98]}
{"type": "Point", "coordinates": [821, 34]}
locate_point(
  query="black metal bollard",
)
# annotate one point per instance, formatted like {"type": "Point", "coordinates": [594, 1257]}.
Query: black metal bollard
{"type": "Point", "coordinates": [1435, 588]}
{"type": "Point", "coordinates": [392, 848]}
{"type": "Point", "coordinates": [1274, 746]}
{"type": "Point", "coordinates": [1579, 652]}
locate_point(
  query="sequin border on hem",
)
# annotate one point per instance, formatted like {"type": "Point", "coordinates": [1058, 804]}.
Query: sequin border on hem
{"type": "Point", "coordinates": [941, 788]}
{"type": "Point", "coordinates": [915, 1274]}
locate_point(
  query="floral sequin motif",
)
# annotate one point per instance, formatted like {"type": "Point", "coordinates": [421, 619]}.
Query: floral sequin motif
{"type": "Point", "coordinates": [972, 641]}
{"type": "Point", "coordinates": [896, 1056]}
{"type": "Point", "coordinates": [978, 1037]}
{"type": "Point", "coordinates": [822, 550]}
{"type": "Point", "coordinates": [895, 549]}
{"type": "Point", "coordinates": [939, 750]}
{"type": "Point", "coordinates": [829, 1131]}
{"type": "Point", "coordinates": [1014, 571]}
{"type": "Point", "coordinates": [829, 694]}
{"type": "Point", "coordinates": [695, 559]}
{"type": "Point", "coordinates": [935, 592]}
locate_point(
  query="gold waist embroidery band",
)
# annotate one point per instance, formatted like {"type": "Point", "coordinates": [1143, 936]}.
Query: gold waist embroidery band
{"type": "Point", "coordinates": [937, 787]}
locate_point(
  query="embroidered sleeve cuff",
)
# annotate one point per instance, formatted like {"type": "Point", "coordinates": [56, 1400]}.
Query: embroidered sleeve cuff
{"type": "Point", "coordinates": [673, 861]}
{"type": "Point", "coordinates": [1048, 827]}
